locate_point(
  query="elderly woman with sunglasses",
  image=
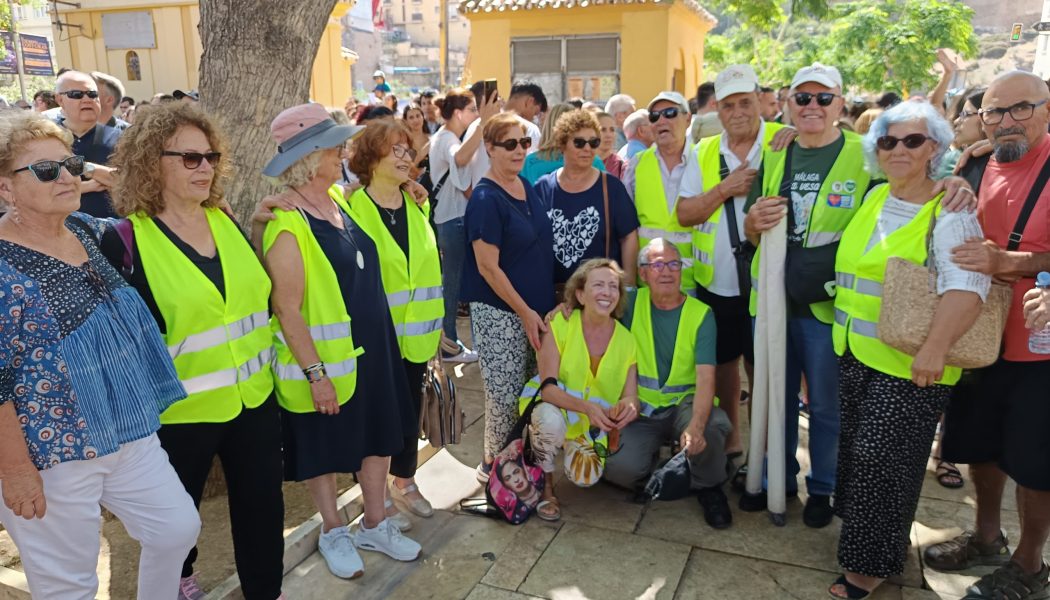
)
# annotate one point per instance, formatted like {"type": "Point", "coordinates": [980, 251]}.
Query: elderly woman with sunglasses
{"type": "Point", "coordinates": [508, 277]}
{"type": "Point", "coordinates": [84, 377]}
{"type": "Point", "coordinates": [589, 390]}
{"type": "Point", "coordinates": [549, 157]}
{"type": "Point", "coordinates": [346, 404]}
{"type": "Point", "coordinates": [408, 258]}
{"type": "Point", "coordinates": [590, 211]}
{"type": "Point", "coordinates": [208, 292]}
{"type": "Point", "coordinates": [891, 401]}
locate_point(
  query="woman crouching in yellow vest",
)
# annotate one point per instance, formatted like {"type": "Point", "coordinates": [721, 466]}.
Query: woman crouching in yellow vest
{"type": "Point", "coordinates": [891, 401]}
{"type": "Point", "coordinates": [592, 356]}
{"type": "Point", "coordinates": [408, 261]}
{"type": "Point", "coordinates": [210, 297]}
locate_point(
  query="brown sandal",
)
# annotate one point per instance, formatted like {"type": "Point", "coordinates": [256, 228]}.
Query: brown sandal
{"type": "Point", "coordinates": [549, 516]}
{"type": "Point", "coordinates": [965, 551]}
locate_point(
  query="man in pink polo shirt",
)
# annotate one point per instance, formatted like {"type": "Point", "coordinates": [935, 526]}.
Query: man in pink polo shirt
{"type": "Point", "coordinates": [1000, 424]}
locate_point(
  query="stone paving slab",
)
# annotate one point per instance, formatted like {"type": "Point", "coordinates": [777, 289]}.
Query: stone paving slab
{"type": "Point", "coordinates": [601, 563]}
{"type": "Point", "coordinates": [484, 592]}
{"type": "Point", "coordinates": [529, 543]}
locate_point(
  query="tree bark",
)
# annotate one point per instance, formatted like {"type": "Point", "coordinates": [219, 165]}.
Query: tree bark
{"type": "Point", "coordinates": [257, 61]}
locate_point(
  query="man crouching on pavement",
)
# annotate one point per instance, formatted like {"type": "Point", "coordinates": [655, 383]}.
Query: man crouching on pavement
{"type": "Point", "coordinates": [676, 340]}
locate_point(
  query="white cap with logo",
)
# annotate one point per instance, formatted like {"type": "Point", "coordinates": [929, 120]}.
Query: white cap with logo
{"type": "Point", "coordinates": [735, 79]}
{"type": "Point", "coordinates": [826, 76]}
{"type": "Point", "coordinates": [673, 97]}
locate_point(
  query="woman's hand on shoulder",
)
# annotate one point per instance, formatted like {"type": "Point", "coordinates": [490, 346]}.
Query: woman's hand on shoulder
{"type": "Point", "coordinates": [264, 210]}
{"type": "Point", "coordinates": [534, 328]}
{"type": "Point", "coordinates": [416, 191]}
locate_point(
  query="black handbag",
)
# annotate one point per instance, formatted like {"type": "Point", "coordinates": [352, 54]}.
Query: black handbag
{"type": "Point", "coordinates": [743, 250]}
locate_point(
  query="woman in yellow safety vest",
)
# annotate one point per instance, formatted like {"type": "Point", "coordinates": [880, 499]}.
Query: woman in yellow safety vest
{"type": "Point", "coordinates": [592, 357]}
{"type": "Point", "coordinates": [338, 373]}
{"type": "Point", "coordinates": [408, 259]}
{"type": "Point", "coordinates": [210, 296]}
{"type": "Point", "coordinates": [891, 401]}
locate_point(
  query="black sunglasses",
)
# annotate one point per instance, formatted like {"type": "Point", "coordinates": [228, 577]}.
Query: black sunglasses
{"type": "Point", "coordinates": [671, 112]}
{"type": "Point", "coordinates": [823, 98]}
{"type": "Point", "coordinates": [601, 450]}
{"type": "Point", "coordinates": [79, 94]}
{"type": "Point", "coordinates": [192, 160]}
{"type": "Point", "coordinates": [593, 142]}
{"type": "Point", "coordinates": [512, 145]}
{"type": "Point", "coordinates": [50, 170]}
{"type": "Point", "coordinates": [912, 141]}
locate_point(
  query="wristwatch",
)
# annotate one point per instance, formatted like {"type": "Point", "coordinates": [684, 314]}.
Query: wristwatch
{"type": "Point", "coordinates": [89, 170]}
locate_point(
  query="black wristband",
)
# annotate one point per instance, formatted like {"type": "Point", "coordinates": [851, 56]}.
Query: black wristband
{"type": "Point", "coordinates": [548, 381]}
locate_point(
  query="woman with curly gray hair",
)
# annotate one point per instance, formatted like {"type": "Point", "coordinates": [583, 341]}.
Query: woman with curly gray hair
{"type": "Point", "coordinates": [890, 401]}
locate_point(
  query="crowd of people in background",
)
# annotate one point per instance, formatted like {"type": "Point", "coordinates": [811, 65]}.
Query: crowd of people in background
{"type": "Point", "coordinates": [606, 257]}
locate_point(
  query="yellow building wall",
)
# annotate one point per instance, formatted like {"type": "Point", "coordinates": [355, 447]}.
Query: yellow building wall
{"type": "Point", "coordinates": [175, 62]}
{"type": "Point", "coordinates": [641, 27]}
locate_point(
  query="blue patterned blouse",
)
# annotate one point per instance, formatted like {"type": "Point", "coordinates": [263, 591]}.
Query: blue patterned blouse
{"type": "Point", "coordinates": [80, 355]}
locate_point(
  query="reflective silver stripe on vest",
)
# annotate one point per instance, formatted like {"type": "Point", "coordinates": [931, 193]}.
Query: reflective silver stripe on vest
{"type": "Point", "coordinates": [822, 238]}
{"type": "Point", "coordinates": [844, 280]}
{"type": "Point", "coordinates": [647, 409]}
{"type": "Point", "coordinates": [650, 383]}
{"type": "Point", "coordinates": [228, 377]}
{"type": "Point", "coordinates": [324, 333]}
{"type": "Point", "coordinates": [423, 328]}
{"type": "Point", "coordinates": [675, 237]}
{"type": "Point", "coordinates": [707, 227]}
{"type": "Point", "coordinates": [419, 295]}
{"type": "Point", "coordinates": [754, 283]}
{"type": "Point", "coordinates": [702, 256]}
{"type": "Point", "coordinates": [857, 326]}
{"type": "Point", "coordinates": [869, 287]}
{"type": "Point", "coordinates": [220, 335]}
{"type": "Point", "coordinates": [292, 372]}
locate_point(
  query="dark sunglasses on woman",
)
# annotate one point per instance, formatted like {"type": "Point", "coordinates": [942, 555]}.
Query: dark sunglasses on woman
{"type": "Point", "coordinates": [912, 141]}
{"type": "Point", "coordinates": [192, 160]}
{"type": "Point", "coordinates": [581, 142]}
{"type": "Point", "coordinates": [670, 112]}
{"type": "Point", "coordinates": [49, 170]}
{"type": "Point", "coordinates": [823, 98]}
{"type": "Point", "coordinates": [512, 145]}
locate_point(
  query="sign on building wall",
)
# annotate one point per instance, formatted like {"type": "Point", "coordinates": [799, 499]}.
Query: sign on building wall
{"type": "Point", "coordinates": [361, 16]}
{"type": "Point", "coordinates": [36, 55]}
{"type": "Point", "coordinates": [123, 30]}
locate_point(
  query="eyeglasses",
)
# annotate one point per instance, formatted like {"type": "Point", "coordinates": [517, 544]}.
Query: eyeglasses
{"type": "Point", "coordinates": [593, 142]}
{"type": "Point", "coordinates": [1022, 111]}
{"type": "Point", "coordinates": [512, 144]}
{"type": "Point", "coordinates": [402, 151]}
{"type": "Point", "coordinates": [966, 114]}
{"type": "Point", "coordinates": [47, 171]}
{"type": "Point", "coordinates": [912, 141]}
{"type": "Point", "coordinates": [192, 160]}
{"type": "Point", "coordinates": [79, 94]}
{"type": "Point", "coordinates": [671, 112]}
{"type": "Point", "coordinates": [658, 265]}
{"type": "Point", "coordinates": [601, 450]}
{"type": "Point", "coordinates": [823, 98]}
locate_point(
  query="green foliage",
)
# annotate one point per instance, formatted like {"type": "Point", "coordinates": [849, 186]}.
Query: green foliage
{"type": "Point", "coordinates": [877, 45]}
{"type": "Point", "coordinates": [9, 86]}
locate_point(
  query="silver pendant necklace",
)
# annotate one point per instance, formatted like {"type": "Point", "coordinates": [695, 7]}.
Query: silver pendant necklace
{"type": "Point", "coordinates": [391, 213]}
{"type": "Point", "coordinates": [344, 232]}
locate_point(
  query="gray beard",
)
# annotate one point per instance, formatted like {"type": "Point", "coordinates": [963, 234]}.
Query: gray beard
{"type": "Point", "coordinates": [1006, 152]}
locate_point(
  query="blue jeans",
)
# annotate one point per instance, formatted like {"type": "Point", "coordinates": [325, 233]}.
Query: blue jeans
{"type": "Point", "coordinates": [452, 241]}
{"type": "Point", "coordinates": [810, 351]}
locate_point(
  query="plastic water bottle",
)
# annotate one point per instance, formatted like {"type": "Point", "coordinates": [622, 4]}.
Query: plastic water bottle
{"type": "Point", "coordinates": [1039, 341]}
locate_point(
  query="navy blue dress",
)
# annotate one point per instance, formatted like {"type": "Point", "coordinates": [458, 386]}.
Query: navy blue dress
{"type": "Point", "coordinates": [379, 417]}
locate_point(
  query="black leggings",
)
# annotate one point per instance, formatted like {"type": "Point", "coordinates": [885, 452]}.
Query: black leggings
{"type": "Point", "coordinates": [404, 465]}
{"type": "Point", "coordinates": [249, 447]}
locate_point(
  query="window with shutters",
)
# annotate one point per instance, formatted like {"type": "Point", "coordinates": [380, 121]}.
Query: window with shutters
{"type": "Point", "coordinates": [570, 66]}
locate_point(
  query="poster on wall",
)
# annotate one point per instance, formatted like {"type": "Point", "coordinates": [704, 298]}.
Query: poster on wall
{"type": "Point", "coordinates": [8, 64]}
{"type": "Point", "coordinates": [123, 30]}
{"type": "Point", "coordinates": [36, 55]}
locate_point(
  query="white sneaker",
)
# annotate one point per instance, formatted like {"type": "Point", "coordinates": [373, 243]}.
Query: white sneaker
{"type": "Point", "coordinates": [466, 355]}
{"type": "Point", "coordinates": [398, 519]}
{"type": "Point", "coordinates": [337, 548]}
{"type": "Point", "coordinates": [387, 538]}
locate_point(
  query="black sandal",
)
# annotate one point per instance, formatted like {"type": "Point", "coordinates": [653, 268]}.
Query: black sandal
{"type": "Point", "coordinates": [853, 592]}
{"type": "Point", "coordinates": [739, 479]}
{"type": "Point", "coordinates": [948, 475]}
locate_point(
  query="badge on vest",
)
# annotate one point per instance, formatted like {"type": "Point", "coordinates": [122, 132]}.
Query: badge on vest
{"type": "Point", "coordinates": [841, 195]}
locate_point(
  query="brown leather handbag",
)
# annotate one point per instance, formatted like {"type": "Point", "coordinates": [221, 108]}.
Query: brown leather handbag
{"type": "Point", "coordinates": [440, 417]}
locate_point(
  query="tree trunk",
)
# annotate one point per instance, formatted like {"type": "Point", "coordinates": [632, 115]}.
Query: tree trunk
{"type": "Point", "coordinates": [257, 61]}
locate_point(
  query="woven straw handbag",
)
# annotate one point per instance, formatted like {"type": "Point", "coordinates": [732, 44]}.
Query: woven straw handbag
{"type": "Point", "coordinates": [909, 299]}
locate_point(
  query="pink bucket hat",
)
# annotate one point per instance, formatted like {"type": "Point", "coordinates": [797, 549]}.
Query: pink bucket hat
{"type": "Point", "coordinates": [302, 129]}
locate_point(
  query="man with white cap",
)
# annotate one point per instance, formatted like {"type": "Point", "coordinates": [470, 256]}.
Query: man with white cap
{"type": "Point", "coordinates": [818, 182]}
{"type": "Point", "coordinates": [653, 176]}
{"type": "Point", "coordinates": [719, 178]}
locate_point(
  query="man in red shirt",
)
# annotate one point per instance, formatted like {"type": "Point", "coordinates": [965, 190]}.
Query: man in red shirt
{"type": "Point", "coordinates": [999, 424]}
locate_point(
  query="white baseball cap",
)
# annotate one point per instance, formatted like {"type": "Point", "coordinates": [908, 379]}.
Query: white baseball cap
{"type": "Point", "coordinates": [379, 74]}
{"type": "Point", "coordinates": [674, 97]}
{"type": "Point", "coordinates": [826, 76]}
{"type": "Point", "coordinates": [735, 79]}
